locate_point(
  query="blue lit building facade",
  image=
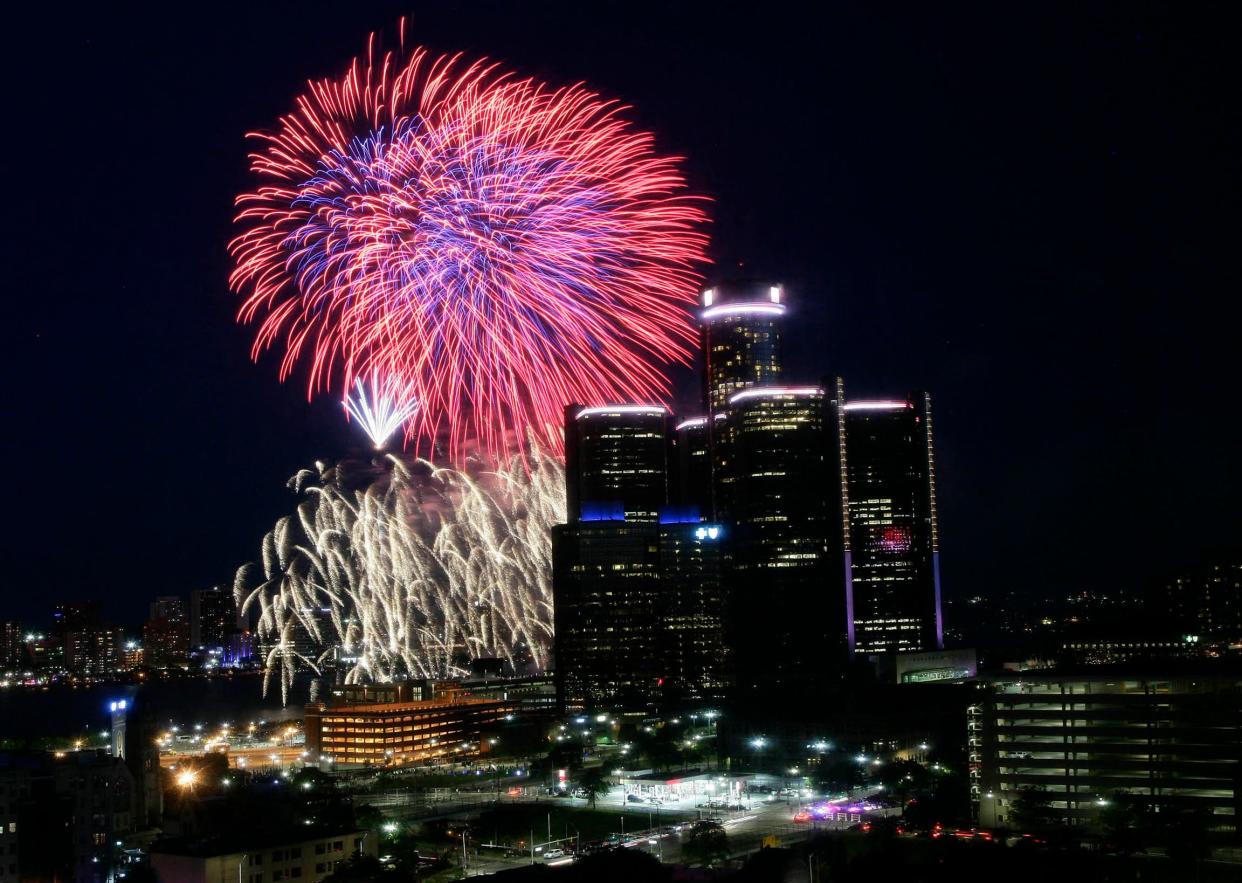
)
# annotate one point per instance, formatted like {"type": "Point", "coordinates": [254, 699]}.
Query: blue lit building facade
{"type": "Point", "coordinates": [636, 576]}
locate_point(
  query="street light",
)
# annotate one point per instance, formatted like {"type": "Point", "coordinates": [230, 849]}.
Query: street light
{"type": "Point", "coordinates": [758, 742]}
{"type": "Point", "coordinates": [187, 779]}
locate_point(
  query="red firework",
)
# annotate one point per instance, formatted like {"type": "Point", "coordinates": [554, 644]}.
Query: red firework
{"type": "Point", "coordinates": [487, 246]}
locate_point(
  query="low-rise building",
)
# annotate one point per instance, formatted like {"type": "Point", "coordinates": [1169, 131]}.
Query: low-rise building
{"type": "Point", "coordinates": [453, 725]}
{"type": "Point", "coordinates": [1171, 743]}
{"type": "Point", "coordinates": [308, 856]}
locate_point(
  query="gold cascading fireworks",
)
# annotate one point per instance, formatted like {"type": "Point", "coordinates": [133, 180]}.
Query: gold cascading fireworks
{"type": "Point", "coordinates": [409, 572]}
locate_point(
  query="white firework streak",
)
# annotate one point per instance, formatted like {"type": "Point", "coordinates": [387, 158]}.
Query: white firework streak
{"type": "Point", "coordinates": [422, 568]}
{"type": "Point", "coordinates": [381, 414]}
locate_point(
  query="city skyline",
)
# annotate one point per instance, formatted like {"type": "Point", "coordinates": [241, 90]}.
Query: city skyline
{"type": "Point", "coordinates": [644, 441]}
{"type": "Point", "coordinates": [934, 231]}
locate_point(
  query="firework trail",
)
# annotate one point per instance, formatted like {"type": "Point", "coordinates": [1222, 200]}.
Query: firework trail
{"type": "Point", "coordinates": [499, 246]}
{"type": "Point", "coordinates": [380, 413]}
{"type": "Point", "coordinates": [415, 572]}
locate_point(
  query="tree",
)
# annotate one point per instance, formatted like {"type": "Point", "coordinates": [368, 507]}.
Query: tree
{"type": "Point", "coordinates": [1124, 823]}
{"type": "Point", "coordinates": [901, 778]}
{"type": "Point", "coordinates": [592, 781]}
{"type": "Point", "coordinates": [1186, 835]}
{"type": "Point", "coordinates": [839, 774]}
{"type": "Point", "coordinates": [1032, 811]}
{"type": "Point", "coordinates": [706, 846]}
{"type": "Point", "coordinates": [662, 751]}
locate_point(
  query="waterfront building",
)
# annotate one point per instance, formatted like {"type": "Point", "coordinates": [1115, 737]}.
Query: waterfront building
{"type": "Point", "coordinates": [12, 642]}
{"type": "Point", "coordinates": [690, 481]}
{"type": "Point", "coordinates": [213, 618]}
{"type": "Point", "coordinates": [894, 540]}
{"type": "Point", "coordinates": [605, 560]}
{"type": "Point", "coordinates": [741, 338]}
{"type": "Point", "coordinates": [165, 643]}
{"type": "Point", "coordinates": [693, 653]}
{"type": "Point", "coordinates": [779, 499]}
{"type": "Point", "coordinates": [166, 634]}
{"type": "Point", "coordinates": [616, 462]}
{"type": "Point", "coordinates": [95, 651]}
{"type": "Point", "coordinates": [606, 589]}
{"type": "Point", "coordinates": [453, 725]}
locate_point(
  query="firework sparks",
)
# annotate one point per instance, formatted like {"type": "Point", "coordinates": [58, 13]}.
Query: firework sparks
{"type": "Point", "coordinates": [504, 246]}
{"type": "Point", "coordinates": [381, 413]}
{"type": "Point", "coordinates": [411, 575]}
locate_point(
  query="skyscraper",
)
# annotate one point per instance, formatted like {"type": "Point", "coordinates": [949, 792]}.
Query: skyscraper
{"type": "Point", "coordinates": [778, 497]}
{"type": "Point", "coordinates": [606, 588]}
{"type": "Point", "coordinates": [11, 645]}
{"type": "Point", "coordinates": [741, 338]}
{"type": "Point", "coordinates": [690, 481]}
{"type": "Point", "coordinates": [1205, 602]}
{"type": "Point", "coordinates": [694, 655]}
{"type": "Point", "coordinates": [636, 580]}
{"type": "Point", "coordinates": [94, 651]}
{"type": "Point", "coordinates": [894, 543]}
{"type": "Point", "coordinates": [166, 635]}
{"type": "Point", "coordinates": [605, 570]}
{"type": "Point", "coordinates": [616, 462]}
{"type": "Point", "coordinates": [213, 618]}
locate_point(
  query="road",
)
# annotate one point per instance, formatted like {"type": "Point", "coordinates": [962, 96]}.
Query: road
{"type": "Point", "coordinates": [746, 829]}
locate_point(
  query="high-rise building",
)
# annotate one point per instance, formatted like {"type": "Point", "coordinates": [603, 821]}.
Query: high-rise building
{"type": "Point", "coordinates": [779, 499]}
{"type": "Point", "coordinates": [213, 618]}
{"type": "Point", "coordinates": [894, 544]}
{"type": "Point", "coordinates": [606, 592]}
{"type": "Point", "coordinates": [11, 643]}
{"type": "Point", "coordinates": [612, 607]}
{"type": "Point", "coordinates": [166, 635]}
{"type": "Point", "coordinates": [75, 616]}
{"type": "Point", "coordinates": [690, 479]}
{"type": "Point", "coordinates": [1206, 603]}
{"type": "Point", "coordinates": [88, 646]}
{"type": "Point", "coordinates": [693, 653]}
{"type": "Point", "coordinates": [94, 651]}
{"type": "Point", "coordinates": [741, 338]}
{"type": "Point", "coordinates": [616, 462]}
{"type": "Point", "coordinates": [169, 607]}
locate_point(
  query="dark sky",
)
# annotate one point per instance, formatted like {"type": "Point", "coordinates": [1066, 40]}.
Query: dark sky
{"type": "Point", "coordinates": [1029, 210]}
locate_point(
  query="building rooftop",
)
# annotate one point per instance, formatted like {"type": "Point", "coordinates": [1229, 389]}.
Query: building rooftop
{"type": "Point", "coordinates": [253, 840]}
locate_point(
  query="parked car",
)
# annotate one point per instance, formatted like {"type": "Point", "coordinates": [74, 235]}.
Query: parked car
{"type": "Point", "coordinates": [633, 798]}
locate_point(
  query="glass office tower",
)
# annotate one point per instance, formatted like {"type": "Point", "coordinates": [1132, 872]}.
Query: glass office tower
{"type": "Point", "coordinates": [894, 545]}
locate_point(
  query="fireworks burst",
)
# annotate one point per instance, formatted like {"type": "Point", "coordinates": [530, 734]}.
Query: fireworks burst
{"type": "Point", "coordinates": [502, 246]}
{"type": "Point", "coordinates": [380, 414]}
{"type": "Point", "coordinates": [413, 574]}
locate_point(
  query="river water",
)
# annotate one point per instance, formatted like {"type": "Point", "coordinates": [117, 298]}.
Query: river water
{"type": "Point", "coordinates": [69, 711]}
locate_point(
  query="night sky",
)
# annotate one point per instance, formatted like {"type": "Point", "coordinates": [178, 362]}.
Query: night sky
{"type": "Point", "coordinates": [1029, 211]}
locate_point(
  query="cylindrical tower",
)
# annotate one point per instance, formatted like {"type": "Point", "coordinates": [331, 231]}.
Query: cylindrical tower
{"type": "Point", "coordinates": [741, 338]}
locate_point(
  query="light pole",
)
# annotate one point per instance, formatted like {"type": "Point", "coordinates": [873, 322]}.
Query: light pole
{"type": "Point", "coordinates": [758, 743]}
